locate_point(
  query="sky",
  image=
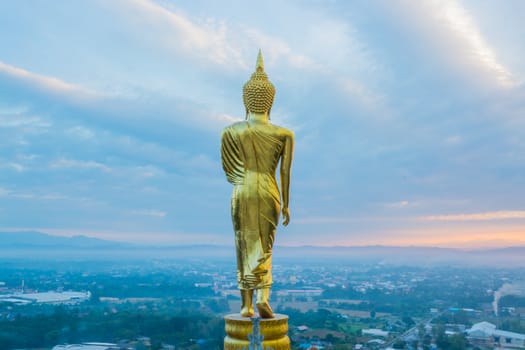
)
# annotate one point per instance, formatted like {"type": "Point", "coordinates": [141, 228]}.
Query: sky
{"type": "Point", "coordinates": [409, 118]}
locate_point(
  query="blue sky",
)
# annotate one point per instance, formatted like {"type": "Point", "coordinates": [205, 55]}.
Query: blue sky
{"type": "Point", "coordinates": [409, 118]}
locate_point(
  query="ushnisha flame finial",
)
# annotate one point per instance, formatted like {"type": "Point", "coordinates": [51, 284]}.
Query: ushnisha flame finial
{"type": "Point", "coordinates": [258, 92]}
{"type": "Point", "coordinates": [259, 66]}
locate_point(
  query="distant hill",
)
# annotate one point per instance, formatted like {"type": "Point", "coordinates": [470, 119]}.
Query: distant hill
{"type": "Point", "coordinates": [33, 239]}
{"type": "Point", "coordinates": [41, 245]}
{"type": "Point", "coordinates": [412, 255]}
{"type": "Point", "coordinates": [508, 250]}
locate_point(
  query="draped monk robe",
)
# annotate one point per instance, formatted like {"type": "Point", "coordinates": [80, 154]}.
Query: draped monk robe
{"type": "Point", "coordinates": [250, 154]}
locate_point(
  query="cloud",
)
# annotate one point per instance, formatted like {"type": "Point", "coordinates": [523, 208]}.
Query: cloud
{"type": "Point", "coordinates": [16, 166]}
{"type": "Point", "coordinates": [191, 48]}
{"type": "Point", "coordinates": [231, 46]}
{"type": "Point", "coordinates": [210, 39]}
{"type": "Point", "coordinates": [27, 195]}
{"type": "Point", "coordinates": [207, 41]}
{"type": "Point", "coordinates": [470, 237]}
{"type": "Point", "coordinates": [81, 132]}
{"type": "Point", "coordinates": [400, 204]}
{"type": "Point", "coordinates": [453, 140]}
{"type": "Point", "coordinates": [23, 120]}
{"type": "Point", "coordinates": [454, 16]}
{"type": "Point", "coordinates": [81, 112]}
{"type": "Point", "coordinates": [147, 171]}
{"type": "Point", "coordinates": [276, 49]}
{"type": "Point", "coordinates": [337, 219]}
{"type": "Point", "coordinates": [227, 119]}
{"type": "Point", "coordinates": [150, 212]}
{"type": "Point", "coordinates": [373, 101]}
{"type": "Point", "coordinates": [494, 215]}
{"type": "Point", "coordinates": [81, 164]}
{"type": "Point", "coordinates": [388, 114]}
{"type": "Point", "coordinates": [448, 30]}
{"type": "Point", "coordinates": [154, 158]}
{"type": "Point", "coordinates": [47, 83]}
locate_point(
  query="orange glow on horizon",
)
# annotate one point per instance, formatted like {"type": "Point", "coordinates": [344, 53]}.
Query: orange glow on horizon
{"type": "Point", "coordinates": [471, 237]}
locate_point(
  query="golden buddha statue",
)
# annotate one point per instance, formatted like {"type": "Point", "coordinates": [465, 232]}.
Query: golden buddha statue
{"type": "Point", "coordinates": [251, 150]}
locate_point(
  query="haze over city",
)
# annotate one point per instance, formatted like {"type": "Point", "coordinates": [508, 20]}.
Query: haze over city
{"type": "Point", "coordinates": [408, 118]}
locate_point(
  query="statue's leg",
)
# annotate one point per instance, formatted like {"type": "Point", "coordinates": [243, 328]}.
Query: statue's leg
{"type": "Point", "coordinates": [247, 303]}
{"type": "Point", "coordinates": [267, 236]}
{"type": "Point", "coordinates": [263, 306]}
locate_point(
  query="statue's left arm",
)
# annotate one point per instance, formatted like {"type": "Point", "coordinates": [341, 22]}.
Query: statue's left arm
{"type": "Point", "coordinates": [286, 168]}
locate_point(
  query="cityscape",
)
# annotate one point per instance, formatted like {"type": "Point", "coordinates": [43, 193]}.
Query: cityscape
{"type": "Point", "coordinates": [179, 303]}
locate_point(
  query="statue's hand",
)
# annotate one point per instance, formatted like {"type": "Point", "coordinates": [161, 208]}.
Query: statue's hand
{"type": "Point", "coordinates": [286, 216]}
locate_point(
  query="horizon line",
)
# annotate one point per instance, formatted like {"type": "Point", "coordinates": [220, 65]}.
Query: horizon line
{"type": "Point", "coordinates": [460, 246]}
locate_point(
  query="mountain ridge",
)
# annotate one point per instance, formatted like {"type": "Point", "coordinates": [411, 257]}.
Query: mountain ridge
{"type": "Point", "coordinates": [36, 245]}
{"type": "Point", "coordinates": [37, 239]}
{"type": "Point", "coordinates": [41, 239]}
{"type": "Point", "coordinates": [27, 239]}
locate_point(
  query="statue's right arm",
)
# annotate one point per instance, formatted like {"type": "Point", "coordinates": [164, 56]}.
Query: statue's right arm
{"type": "Point", "coordinates": [286, 168]}
{"type": "Point", "coordinates": [231, 162]}
{"type": "Point", "coordinates": [226, 153]}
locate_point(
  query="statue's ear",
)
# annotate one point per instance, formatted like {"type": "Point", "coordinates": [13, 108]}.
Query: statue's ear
{"type": "Point", "coordinates": [246, 117]}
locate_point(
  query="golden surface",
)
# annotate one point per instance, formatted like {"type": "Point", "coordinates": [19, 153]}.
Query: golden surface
{"type": "Point", "coordinates": [251, 151]}
{"type": "Point", "coordinates": [274, 331]}
{"type": "Point", "coordinates": [236, 344]}
{"type": "Point", "coordinates": [258, 92]}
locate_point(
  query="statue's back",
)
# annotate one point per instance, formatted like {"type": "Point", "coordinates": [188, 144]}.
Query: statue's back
{"type": "Point", "coordinates": [261, 146]}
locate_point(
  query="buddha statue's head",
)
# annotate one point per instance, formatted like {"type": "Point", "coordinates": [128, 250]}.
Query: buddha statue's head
{"type": "Point", "coordinates": [258, 92]}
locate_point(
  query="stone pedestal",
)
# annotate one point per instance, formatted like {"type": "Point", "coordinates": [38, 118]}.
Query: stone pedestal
{"type": "Point", "coordinates": [274, 330]}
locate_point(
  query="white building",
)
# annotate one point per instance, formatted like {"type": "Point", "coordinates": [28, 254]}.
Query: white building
{"type": "Point", "coordinates": [46, 297]}
{"type": "Point", "coordinates": [87, 346]}
{"type": "Point", "coordinates": [486, 333]}
{"type": "Point", "coordinates": [374, 332]}
{"type": "Point", "coordinates": [305, 292]}
{"type": "Point", "coordinates": [506, 339]}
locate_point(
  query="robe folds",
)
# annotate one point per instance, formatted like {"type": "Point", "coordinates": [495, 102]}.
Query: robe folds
{"type": "Point", "coordinates": [250, 154]}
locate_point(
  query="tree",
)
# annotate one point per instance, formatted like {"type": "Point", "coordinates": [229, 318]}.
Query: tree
{"type": "Point", "coordinates": [441, 338]}
{"type": "Point", "coordinates": [427, 340]}
{"type": "Point", "coordinates": [421, 332]}
{"type": "Point", "coordinates": [400, 344]}
{"type": "Point", "coordinates": [457, 342]}
{"type": "Point", "coordinates": [408, 321]}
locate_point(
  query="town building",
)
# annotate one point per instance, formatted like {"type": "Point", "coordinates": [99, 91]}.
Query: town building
{"type": "Point", "coordinates": [45, 297]}
{"type": "Point", "coordinates": [87, 346]}
{"type": "Point", "coordinates": [487, 334]}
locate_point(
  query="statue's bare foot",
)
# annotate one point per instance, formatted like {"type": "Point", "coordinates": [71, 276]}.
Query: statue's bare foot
{"type": "Point", "coordinates": [246, 303]}
{"type": "Point", "coordinates": [263, 295]}
{"type": "Point", "coordinates": [265, 311]}
{"type": "Point", "coordinates": [247, 312]}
